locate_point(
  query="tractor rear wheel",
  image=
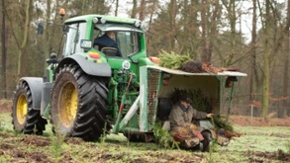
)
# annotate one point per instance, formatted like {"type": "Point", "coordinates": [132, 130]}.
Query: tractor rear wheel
{"type": "Point", "coordinates": [78, 104]}
{"type": "Point", "coordinates": [24, 118]}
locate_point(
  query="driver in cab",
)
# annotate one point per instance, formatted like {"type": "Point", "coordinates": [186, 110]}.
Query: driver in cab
{"type": "Point", "coordinates": [107, 40]}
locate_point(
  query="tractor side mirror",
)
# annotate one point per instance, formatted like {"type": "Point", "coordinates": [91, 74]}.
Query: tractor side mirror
{"type": "Point", "coordinates": [40, 28]}
{"type": "Point", "coordinates": [230, 81]}
{"type": "Point", "coordinates": [52, 59]}
{"type": "Point", "coordinates": [86, 44]}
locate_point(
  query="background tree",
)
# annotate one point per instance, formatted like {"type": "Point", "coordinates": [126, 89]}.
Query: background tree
{"type": "Point", "coordinates": [3, 40]}
{"type": "Point", "coordinates": [208, 26]}
{"type": "Point", "coordinates": [134, 9]}
{"type": "Point", "coordinates": [286, 61]}
{"type": "Point", "coordinates": [21, 36]}
{"type": "Point", "coordinates": [209, 31]}
{"type": "Point", "coordinates": [253, 73]}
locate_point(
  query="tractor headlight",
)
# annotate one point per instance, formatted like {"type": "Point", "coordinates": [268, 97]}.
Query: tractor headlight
{"type": "Point", "coordinates": [95, 20]}
{"type": "Point", "coordinates": [103, 21]}
{"type": "Point", "coordinates": [137, 24]}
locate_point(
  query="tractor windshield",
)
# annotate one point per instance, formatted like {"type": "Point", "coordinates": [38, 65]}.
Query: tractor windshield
{"type": "Point", "coordinates": [128, 43]}
{"type": "Point", "coordinates": [127, 40]}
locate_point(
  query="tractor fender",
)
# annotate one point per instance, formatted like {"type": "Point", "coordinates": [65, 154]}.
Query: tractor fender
{"type": "Point", "coordinates": [91, 68]}
{"type": "Point", "coordinates": [35, 85]}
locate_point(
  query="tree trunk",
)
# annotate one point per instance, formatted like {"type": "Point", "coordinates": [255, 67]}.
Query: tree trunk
{"type": "Point", "coordinates": [232, 19]}
{"type": "Point", "coordinates": [101, 7]}
{"type": "Point", "coordinates": [83, 7]}
{"type": "Point", "coordinates": [47, 31]}
{"type": "Point", "coordinates": [172, 12]}
{"type": "Point", "coordinates": [134, 9]}
{"type": "Point", "coordinates": [203, 31]}
{"type": "Point", "coordinates": [117, 8]}
{"type": "Point", "coordinates": [23, 50]}
{"type": "Point", "coordinates": [151, 19]}
{"type": "Point", "coordinates": [286, 62]}
{"type": "Point", "coordinates": [208, 28]}
{"type": "Point", "coordinates": [4, 95]}
{"type": "Point", "coordinates": [213, 30]}
{"type": "Point", "coordinates": [253, 52]}
{"type": "Point", "coordinates": [194, 31]}
{"type": "Point", "coordinates": [142, 9]}
{"type": "Point", "coordinates": [266, 68]}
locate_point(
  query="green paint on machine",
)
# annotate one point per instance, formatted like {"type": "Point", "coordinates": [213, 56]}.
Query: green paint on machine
{"type": "Point", "coordinates": [93, 89]}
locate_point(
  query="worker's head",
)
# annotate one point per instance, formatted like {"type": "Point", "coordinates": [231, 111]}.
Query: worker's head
{"type": "Point", "coordinates": [185, 100]}
{"type": "Point", "coordinates": [111, 34]}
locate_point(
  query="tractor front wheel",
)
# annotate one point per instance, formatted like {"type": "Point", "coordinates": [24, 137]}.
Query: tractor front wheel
{"type": "Point", "coordinates": [78, 104]}
{"type": "Point", "coordinates": [24, 118]}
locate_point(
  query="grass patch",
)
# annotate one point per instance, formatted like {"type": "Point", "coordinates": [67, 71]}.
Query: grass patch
{"type": "Point", "coordinates": [288, 146]}
{"type": "Point", "coordinates": [5, 121]}
{"type": "Point", "coordinates": [16, 148]}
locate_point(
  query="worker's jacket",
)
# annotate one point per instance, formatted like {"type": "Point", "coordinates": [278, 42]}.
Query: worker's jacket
{"type": "Point", "coordinates": [179, 117]}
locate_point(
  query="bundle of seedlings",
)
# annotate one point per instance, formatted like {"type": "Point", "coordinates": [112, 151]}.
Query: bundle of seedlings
{"type": "Point", "coordinates": [199, 101]}
{"type": "Point", "coordinates": [164, 138]}
{"type": "Point", "coordinates": [220, 123]}
{"type": "Point", "coordinates": [172, 60]}
{"type": "Point", "coordinates": [224, 128]}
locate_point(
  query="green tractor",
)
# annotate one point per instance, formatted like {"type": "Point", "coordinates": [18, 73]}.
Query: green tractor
{"type": "Point", "coordinates": [90, 91]}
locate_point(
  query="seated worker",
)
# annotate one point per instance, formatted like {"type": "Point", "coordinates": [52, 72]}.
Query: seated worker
{"type": "Point", "coordinates": [182, 113]}
{"type": "Point", "coordinates": [107, 40]}
{"type": "Point", "coordinates": [181, 116]}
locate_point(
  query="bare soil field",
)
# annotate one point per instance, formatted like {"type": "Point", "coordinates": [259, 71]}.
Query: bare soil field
{"type": "Point", "coordinates": [263, 140]}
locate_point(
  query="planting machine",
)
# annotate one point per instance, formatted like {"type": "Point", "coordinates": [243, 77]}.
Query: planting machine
{"type": "Point", "coordinates": [91, 91]}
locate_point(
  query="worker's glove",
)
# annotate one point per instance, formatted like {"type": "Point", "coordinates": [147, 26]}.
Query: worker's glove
{"type": "Point", "coordinates": [210, 115]}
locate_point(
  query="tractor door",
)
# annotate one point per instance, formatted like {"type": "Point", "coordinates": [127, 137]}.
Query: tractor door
{"type": "Point", "coordinates": [74, 33]}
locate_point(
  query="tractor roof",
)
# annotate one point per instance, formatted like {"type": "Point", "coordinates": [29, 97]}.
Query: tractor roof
{"type": "Point", "coordinates": [106, 17]}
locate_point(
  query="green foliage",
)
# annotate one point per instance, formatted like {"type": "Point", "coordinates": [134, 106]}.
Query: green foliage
{"type": "Point", "coordinates": [218, 122]}
{"type": "Point", "coordinates": [288, 146]}
{"type": "Point", "coordinates": [164, 137]}
{"type": "Point", "coordinates": [172, 60]}
{"type": "Point", "coordinates": [1, 126]}
{"type": "Point", "coordinates": [214, 145]}
{"type": "Point", "coordinates": [199, 101]}
{"type": "Point", "coordinates": [103, 137]}
{"type": "Point", "coordinates": [213, 148]}
{"type": "Point", "coordinates": [56, 145]}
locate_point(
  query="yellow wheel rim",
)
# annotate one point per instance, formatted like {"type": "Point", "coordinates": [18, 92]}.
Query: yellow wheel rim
{"type": "Point", "coordinates": [21, 109]}
{"type": "Point", "coordinates": [68, 104]}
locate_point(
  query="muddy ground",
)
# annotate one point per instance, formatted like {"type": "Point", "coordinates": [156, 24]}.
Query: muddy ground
{"type": "Point", "coordinates": [33, 148]}
{"type": "Point", "coordinates": [15, 149]}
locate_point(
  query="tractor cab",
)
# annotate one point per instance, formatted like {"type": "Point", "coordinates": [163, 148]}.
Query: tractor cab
{"type": "Point", "coordinates": [125, 37]}
{"type": "Point", "coordinates": [82, 32]}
